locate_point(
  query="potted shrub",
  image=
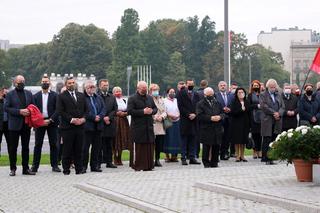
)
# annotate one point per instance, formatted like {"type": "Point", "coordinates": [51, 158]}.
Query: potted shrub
{"type": "Point", "coordinates": [300, 146]}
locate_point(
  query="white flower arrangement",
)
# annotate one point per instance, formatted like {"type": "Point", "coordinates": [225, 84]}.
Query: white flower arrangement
{"type": "Point", "coordinates": [290, 134]}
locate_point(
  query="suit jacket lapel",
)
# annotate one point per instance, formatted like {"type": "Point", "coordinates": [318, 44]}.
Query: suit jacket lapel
{"type": "Point", "coordinates": [40, 100]}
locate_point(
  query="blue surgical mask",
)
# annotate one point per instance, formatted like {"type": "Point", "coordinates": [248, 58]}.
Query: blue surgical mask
{"type": "Point", "coordinates": [155, 93]}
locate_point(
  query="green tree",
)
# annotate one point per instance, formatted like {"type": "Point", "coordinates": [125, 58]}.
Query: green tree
{"type": "Point", "coordinates": [176, 70]}
{"type": "Point", "coordinates": [155, 52]}
{"type": "Point", "coordinates": [80, 49]}
{"type": "Point", "coordinates": [4, 81]}
{"type": "Point", "coordinates": [127, 50]}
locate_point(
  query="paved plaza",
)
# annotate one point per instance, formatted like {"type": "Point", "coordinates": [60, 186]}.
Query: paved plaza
{"type": "Point", "coordinates": [233, 187]}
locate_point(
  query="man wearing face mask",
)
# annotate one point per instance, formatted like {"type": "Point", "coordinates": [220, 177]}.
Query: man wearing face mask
{"type": "Point", "coordinates": [272, 108]}
{"type": "Point", "coordinates": [109, 131]}
{"type": "Point", "coordinates": [16, 105]}
{"type": "Point", "coordinates": [45, 100]}
{"type": "Point", "coordinates": [210, 115]}
{"type": "Point", "coordinates": [309, 107]}
{"type": "Point", "coordinates": [289, 120]}
{"type": "Point", "coordinates": [141, 107]}
{"type": "Point", "coordinates": [73, 109]}
{"type": "Point", "coordinates": [3, 118]}
{"type": "Point", "coordinates": [187, 101]}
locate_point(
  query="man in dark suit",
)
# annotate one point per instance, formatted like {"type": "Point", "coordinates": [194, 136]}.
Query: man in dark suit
{"type": "Point", "coordinates": [45, 100]}
{"type": "Point", "coordinates": [187, 101]}
{"type": "Point", "coordinates": [210, 116]}
{"type": "Point", "coordinates": [16, 105]}
{"type": "Point", "coordinates": [73, 108]}
{"type": "Point", "coordinates": [109, 131]}
{"type": "Point", "coordinates": [93, 127]}
{"type": "Point", "coordinates": [289, 119]}
{"type": "Point", "coordinates": [3, 118]}
{"type": "Point", "coordinates": [225, 99]}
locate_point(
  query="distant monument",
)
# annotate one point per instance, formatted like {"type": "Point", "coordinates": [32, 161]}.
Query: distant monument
{"type": "Point", "coordinates": [57, 81]}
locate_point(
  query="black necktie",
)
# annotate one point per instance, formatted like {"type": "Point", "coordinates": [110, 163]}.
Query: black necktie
{"type": "Point", "coordinates": [73, 97]}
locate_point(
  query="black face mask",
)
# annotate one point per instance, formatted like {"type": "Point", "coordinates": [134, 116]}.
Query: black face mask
{"type": "Point", "coordinates": [45, 86]}
{"type": "Point", "coordinates": [309, 92]}
{"type": "Point", "coordinates": [172, 95]}
{"type": "Point", "coordinates": [190, 87]}
{"type": "Point", "coordinates": [210, 98]}
{"type": "Point", "coordinates": [20, 86]}
{"type": "Point", "coordinates": [256, 89]}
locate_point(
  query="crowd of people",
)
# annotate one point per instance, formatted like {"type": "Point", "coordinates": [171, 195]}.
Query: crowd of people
{"type": "Point", "coordinates": [94, 127]}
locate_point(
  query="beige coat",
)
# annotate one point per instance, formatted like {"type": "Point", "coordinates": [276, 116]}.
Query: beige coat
{"type": "Point", "coordinates": [158, 126]}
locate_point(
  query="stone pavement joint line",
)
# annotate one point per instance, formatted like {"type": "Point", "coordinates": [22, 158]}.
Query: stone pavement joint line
{"type": "Point", "coordinates": [258, 197]}
{"type": "Point", "coordinates": [123, 199]}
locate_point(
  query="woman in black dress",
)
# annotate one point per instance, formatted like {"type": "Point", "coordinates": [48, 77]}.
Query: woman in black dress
{"type": "Point", "coordinates": [240, 123]}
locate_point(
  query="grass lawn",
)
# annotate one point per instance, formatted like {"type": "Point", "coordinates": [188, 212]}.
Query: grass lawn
{"type": "Point", "coordinates": [45, 158]}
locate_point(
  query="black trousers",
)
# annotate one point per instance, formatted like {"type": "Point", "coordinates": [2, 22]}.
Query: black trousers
{"type": "Point", "coordinates": [159, 140]}
{"type": "Point", "coordinates": [72, 148]}
{"type": "Point", "coordinates": [40, 132]}
{"type": "Point", "coordinates": [4, 132]}
{"type": "Point", "coordinates": [210, 150]}
{"type": "Point", "coordinates": [225, 143]}
{"type": "Point", "coordinates": [106, 151]}
{"type": "Point", "coordinates": [24, 133]}
{"type": "Point", "coordinates": [257, 141]}
{"type": "Point", "coordinates": [265, 146]}
{"type": "Point", "coordinates": [92, 138]}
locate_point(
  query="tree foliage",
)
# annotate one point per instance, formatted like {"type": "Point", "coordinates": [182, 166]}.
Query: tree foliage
{"type": "Point", "coordinates": [176, 50]}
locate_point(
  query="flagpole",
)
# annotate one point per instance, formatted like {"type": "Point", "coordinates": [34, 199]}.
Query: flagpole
{"type": "Point", "coordinates": [305, 81]}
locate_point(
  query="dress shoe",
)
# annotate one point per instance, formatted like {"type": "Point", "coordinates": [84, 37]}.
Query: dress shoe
{"type": "Point", "coordinates": [184, 162]}
{"type": "Point", "coordinates": [34, 169]}
{"type": "Point", "coordinates": [214, 165]}
{"type": "Point", "coordinates": [157, 163]}
{"type": "Point", "coordinates": [244, 160]}
{"type": "Point", "coordinates": [66, 172]}
{"type": "Point", "coordinates": [194, 161]}
{"type": "Point", "coordinates": [28, 172]}
{"type": "Point", "coordinates": [232, 156]}
{"type": "Point", "coordinates": [207, 166]}
{"type": "Point", "coordinates": [110, 165]}
{"type": "Point", "coordinates": [224, 158]}
{"type": "Point", "coordinates": [96, 170]}
{"type": "Point", "coordinates": [270, 162]}
{"type": "Point", "coordinates": [12, 173]}
{"type": "Point", "coordinates": [56, 169]}
{"type": "Point", "coordinates": [83, 171]}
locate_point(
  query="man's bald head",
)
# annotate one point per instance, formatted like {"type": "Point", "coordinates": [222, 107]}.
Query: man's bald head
{"type": "Point", "coordinates": [142, 87]}
{"type": "Point", "coordinates": [208, 91]}
{"type": "Point", "coordinates": [19, 79]}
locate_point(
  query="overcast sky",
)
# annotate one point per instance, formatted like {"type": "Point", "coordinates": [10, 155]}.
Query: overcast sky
{"type": "Point", "coordinates": [35, 21]}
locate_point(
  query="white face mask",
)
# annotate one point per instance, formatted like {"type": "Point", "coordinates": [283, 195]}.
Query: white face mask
{"type": "Point", "coordinates": [241, 95]}
{"type": "Point", "coordinates": [287, 91]}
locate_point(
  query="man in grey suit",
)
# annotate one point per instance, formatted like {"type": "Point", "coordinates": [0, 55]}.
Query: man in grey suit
{"type": "Point", "coordinates": [272, 108]}
{"type": "Point", "coordinates": [16, 105]}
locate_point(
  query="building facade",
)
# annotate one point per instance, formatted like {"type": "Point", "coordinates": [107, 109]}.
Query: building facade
{"type": "Point", "coordinates": [287, 42]}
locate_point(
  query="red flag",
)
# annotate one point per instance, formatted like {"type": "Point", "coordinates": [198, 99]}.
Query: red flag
{"type": "Point", "coordinates": [315, 66]}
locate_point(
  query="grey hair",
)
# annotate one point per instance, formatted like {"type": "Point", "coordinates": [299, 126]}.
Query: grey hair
{"type": "Point", "coordinates": [208, 90]}
{"type": "Point", "coordinates": [271, 81]}
{"type": "Point", "coordinates": [116, 89]}
{"type": "Point", "coordinates": [88, 82]}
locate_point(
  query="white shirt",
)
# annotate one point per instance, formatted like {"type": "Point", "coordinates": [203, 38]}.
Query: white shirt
{"type": "Point", "coordinates": [172, 107]}
{"type": "Point", "coordinates": [45, 97]}
{"type": "Point", "coordinates": [74, 94]}
{"type": "Point", "coordinates": [122, 106]}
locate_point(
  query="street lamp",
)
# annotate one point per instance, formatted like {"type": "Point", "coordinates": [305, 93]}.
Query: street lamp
{"type": "Point", "coordinates": [226, 44]}
{"type": "Point", "coordinates": [129, 71]}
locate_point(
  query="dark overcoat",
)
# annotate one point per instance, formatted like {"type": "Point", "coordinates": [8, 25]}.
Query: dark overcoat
{"type": "Point", "coordinates": [210, 132]}
{"type": "Point", "coordinates": [240, 122]}
{"type": "Point", "coordinates": [141, 125]}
